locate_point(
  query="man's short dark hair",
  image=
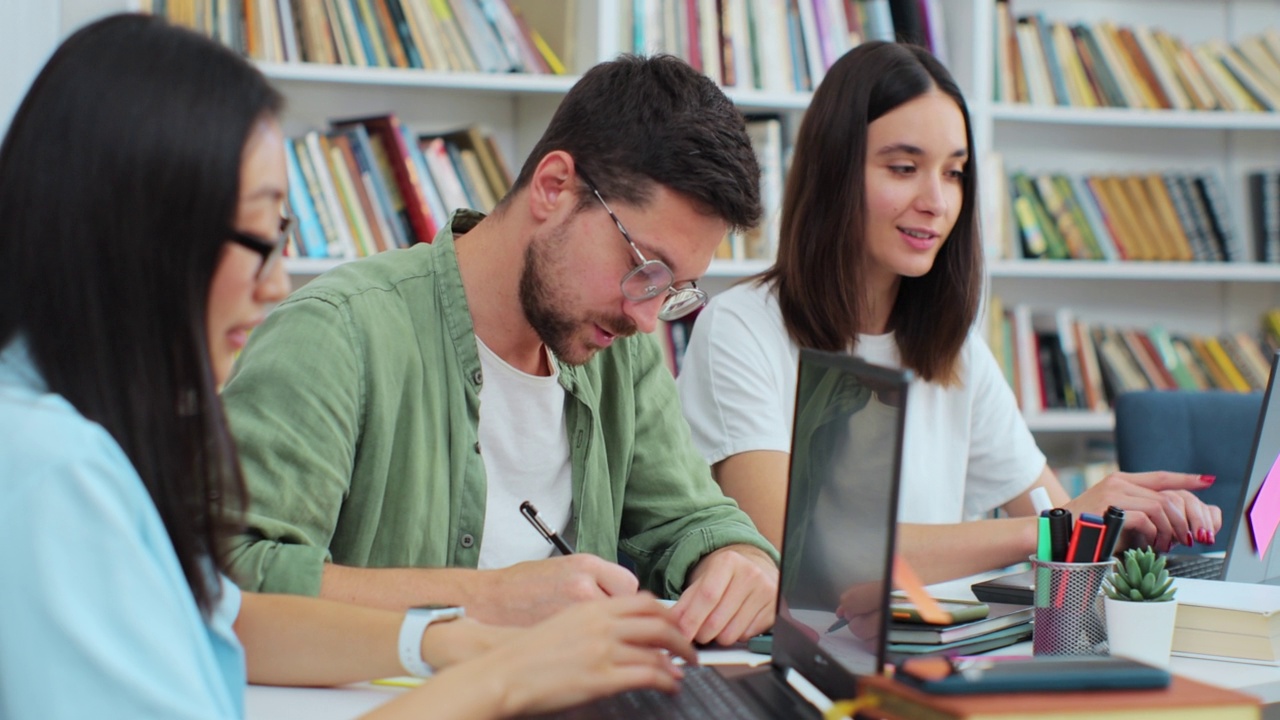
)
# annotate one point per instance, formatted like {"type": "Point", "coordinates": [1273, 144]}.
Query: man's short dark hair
{"type": "Point", "coordinates": [635, 121]}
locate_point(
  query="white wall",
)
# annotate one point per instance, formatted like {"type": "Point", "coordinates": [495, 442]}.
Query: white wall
{"type": "Point", "coordinates": [29, 31]}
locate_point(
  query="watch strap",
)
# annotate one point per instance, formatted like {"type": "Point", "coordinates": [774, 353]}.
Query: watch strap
{"type": "Point", "coordinates": [415, 623]}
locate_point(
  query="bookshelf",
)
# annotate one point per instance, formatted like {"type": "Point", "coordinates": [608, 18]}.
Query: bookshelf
{"type": "Point", "coordinates": [1195, 297]}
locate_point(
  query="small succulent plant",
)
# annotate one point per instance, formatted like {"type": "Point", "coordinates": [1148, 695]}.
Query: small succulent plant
{"type": "Point", "coordinates": [1140, 577]}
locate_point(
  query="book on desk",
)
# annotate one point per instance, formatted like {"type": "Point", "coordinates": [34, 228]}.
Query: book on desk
{"type": "Point", "coordinates": [1002, 625]}
{"type": "Point", "coordinates": [1183, 699]}
{"type": "Point", "coordinates": [1228, 620]}
{"type": "Point", "coordinates": [999, 616]}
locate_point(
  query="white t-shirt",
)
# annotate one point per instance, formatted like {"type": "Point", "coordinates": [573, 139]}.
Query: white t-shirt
{"type": "Point", "coordinates": [525, 447]}
{"type": "Point", "coordinates": [967, 449]}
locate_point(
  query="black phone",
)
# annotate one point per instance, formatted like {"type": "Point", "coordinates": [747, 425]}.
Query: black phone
{"type": "Point", "coordinates": [953, 676]}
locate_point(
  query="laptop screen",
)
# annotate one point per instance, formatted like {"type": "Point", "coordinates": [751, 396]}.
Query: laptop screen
{"type": "Point", "coordinates": [837, 550]}
{"type": "Point", "coordinates": [1252, 555]}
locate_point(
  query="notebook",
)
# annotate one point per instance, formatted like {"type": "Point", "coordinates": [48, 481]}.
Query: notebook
{"type": "Point", "coordinates": [1249, 557]}
{"type": "Point", "coordinates": [838, 541]}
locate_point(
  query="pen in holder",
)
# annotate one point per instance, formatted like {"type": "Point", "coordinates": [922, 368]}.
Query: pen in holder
{"type": "Point", "coordinates": [1069, 617]}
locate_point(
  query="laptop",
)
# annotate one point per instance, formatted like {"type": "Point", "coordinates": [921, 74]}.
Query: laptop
{"type": "Point", "coordinates": [838, 542]}
{"type": "Point", "coordinates": [1241, 562]}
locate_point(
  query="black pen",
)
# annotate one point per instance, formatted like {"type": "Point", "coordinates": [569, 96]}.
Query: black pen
{"type": "Point", "coordinates": [530, 513]}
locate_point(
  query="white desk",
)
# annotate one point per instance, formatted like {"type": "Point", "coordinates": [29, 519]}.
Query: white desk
{"type": "Point", "coordinates": [1261, 681]}
{"type": "Point", "coordinates": [281, 703]}
{"type": "Point", "coordinates": [272, 703]}
{"type": "Point", "coordinates": [275, 703]}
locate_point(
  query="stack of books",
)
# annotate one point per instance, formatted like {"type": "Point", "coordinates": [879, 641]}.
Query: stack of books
{"type": "Point", "coordinates": [1185, 699]}
{"type": "Point", "coordinates": [1004, 625]}
{"type": "Point", "coordinates": [1228, 620]}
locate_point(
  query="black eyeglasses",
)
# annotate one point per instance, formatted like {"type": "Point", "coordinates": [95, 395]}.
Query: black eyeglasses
{"type": "Point", "coordinates": [270, 250]}
{"type": "Point", "coordinates": [652, 278]}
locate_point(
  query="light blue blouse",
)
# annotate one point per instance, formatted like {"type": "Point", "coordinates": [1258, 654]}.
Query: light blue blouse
{"type": "Point", "coordinates": [96, 617]}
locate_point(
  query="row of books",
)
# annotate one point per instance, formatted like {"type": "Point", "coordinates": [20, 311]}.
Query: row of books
{"type": "Point", "coordinates": [774, 45]}
{"type": "Point", "coordinates": [452, 35]}
{"type": "Point", "coordinates": [369, 185]}
{"type": "Point", "coordinates": [1055, 361]}
{"type": "Point", "coordinates": [1100, 64]}
{"type": "Point", "coordinates": [767, 133]}
{"type": "Point", "coordinates": [1264, 201]}
{"type": "Point", "coordinates": [1151, 216]}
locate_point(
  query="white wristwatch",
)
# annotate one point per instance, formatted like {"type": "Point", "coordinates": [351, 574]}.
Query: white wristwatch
{"type": "Point", "coordinates": [415, 623]}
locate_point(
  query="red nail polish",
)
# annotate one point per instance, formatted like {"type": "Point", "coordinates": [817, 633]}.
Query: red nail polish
{"type": "Point", "coordinates": [1190, 541]}
{"type": "Point", "coordinates": [1201, 535]}
{"type": "Point", "coordinates": [1208, 479]}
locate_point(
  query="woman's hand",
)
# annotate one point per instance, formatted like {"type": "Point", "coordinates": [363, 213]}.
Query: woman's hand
{"type": "Point", "coordinates": [1159, 509]}
{"type": "Point", "coordinates": [584, 652]}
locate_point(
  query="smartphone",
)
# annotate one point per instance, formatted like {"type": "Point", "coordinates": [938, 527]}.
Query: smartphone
{"type": "Point", "coordinates": [955, 676]}
{"type": "Point", "coordinates": [962, 611]}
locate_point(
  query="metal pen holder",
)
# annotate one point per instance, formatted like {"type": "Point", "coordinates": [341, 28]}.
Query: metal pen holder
{"type": "Point", "coordinates": [1069, 617]}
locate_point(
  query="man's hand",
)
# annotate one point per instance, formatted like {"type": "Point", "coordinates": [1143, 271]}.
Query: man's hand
{"type": "Point", "coordinates": [729, 597]}
{"type": "Point", "coordinates": [860, 607]}
{"type": "Point", "coordinates": [529, 592]}
{"type": "Point", "coordinates": [1158, 509]}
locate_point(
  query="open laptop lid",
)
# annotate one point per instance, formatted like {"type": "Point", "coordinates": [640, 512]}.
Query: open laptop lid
{"type": "Point", "coordinates": [842, 506]}
{"type": "Point", "coordinates": [1259, 507]}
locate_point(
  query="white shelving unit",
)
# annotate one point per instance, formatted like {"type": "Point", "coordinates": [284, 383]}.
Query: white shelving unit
{"type": "Point", "coordinates": [1195, 297]}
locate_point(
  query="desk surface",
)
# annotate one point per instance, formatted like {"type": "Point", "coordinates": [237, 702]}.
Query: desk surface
{"type": "Point", "coordinates": [275, 703]}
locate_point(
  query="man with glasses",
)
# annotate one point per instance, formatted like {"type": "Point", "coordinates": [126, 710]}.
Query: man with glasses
{"type": "Point", "coordinates": [395, 415]}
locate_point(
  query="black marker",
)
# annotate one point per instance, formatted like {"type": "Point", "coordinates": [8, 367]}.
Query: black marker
{"type": "Point", "coordinates": [1059, 532]}
{"type": "Point", "coordinates": [1112, 523]}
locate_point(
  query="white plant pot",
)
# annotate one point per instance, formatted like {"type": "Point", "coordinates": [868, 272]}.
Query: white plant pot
{"type": "Point", "coordinates": [1142, 631]}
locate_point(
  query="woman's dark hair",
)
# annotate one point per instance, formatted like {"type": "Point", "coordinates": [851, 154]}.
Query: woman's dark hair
{"type": "Point", "coordinates": [119, 178]}
{"type": "Point", "coordinates": [821, 249]}
{"type": "Point", "coordinates": [635, 121]}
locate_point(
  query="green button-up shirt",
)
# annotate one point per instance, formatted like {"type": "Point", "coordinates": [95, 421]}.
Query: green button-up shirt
{"type": "Point", "coordinates": [355, 408]}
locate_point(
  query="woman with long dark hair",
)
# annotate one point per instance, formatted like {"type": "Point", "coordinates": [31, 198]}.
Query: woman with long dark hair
{"type": "Point", "coordinates": [142, 182]}
{"type": "Point", "coordinates": [879, 254]}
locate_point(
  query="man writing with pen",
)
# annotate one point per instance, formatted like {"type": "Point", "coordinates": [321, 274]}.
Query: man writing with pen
{"type": "Point", "coordinates": [395, 414]}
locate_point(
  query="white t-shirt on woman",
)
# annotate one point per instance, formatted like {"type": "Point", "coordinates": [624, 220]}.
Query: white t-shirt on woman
{"type": "Point", "coordinates": [967, 449]}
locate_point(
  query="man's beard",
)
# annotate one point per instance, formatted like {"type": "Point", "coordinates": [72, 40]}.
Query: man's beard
{"type": "Point", "coordinates": [547, 315]}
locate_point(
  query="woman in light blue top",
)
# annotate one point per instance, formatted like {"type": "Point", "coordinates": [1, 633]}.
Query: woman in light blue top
{"type": "Point", "coordinates": [141, 187]}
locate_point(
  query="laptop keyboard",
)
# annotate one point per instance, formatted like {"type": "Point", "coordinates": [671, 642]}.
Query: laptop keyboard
{"type": "Point", "coordinates": [1195, 566]}
{"type": "Point", "coordinates": [703, 694]}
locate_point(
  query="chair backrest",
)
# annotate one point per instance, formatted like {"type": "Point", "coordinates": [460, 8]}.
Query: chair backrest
{"type": "Point", "coordinates": [1208, 433]}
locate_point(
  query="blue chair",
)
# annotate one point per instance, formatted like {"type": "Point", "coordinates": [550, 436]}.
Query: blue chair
{"type": "Point", "coordinates": [1207, 433]}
